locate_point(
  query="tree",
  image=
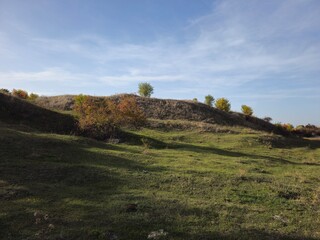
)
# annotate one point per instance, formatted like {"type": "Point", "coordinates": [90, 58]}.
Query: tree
{"type": "Point", "coordinates": [246, 110]}
{"type": "Point", "coordinates": [267, 119]}
{"type": "Point", "coordinates": [145, 89]}
{"type": "Point", "coordinates": [223, 104]}
{"type": "Point", "coordinates": [195, 100]}
{"type": "Point", "coordinates": [209, 100]}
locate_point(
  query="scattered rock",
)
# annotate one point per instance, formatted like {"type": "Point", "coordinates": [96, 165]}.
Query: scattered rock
{"type": "Point", "coordinates": [288, 195]}
{"type": "Point", "coordinates": [113, 140]}
{"type": "Point", "coordinates": [281, 219]}
{"type": "Point", "coordinates": [51, 226]}
{"type": "Point", "coordinates": [110, 235]}
{"type": "Point", "coordinates": [38, 220]}
{"type": "Point", "coordinates": [131, 207]}
{"type": "Point", "coordinates": [157, 234]}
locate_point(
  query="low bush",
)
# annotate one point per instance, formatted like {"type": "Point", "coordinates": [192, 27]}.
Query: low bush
{"type": "Point", "coordinates": [20, 93]}
{"type": "Point", "coordinates": [3, 90]}
{"type": "Point", "coordinates": [130, 114]}
{"type": "Point", "coordinates": [33, 96]}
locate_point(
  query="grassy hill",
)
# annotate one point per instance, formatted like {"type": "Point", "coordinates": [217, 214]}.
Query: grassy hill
{"type": "Point", "coordinates": [193, 176]}
{"type": "Point", "coordinates": [166, 109]}
{"type": "Point", "coordinates": [15, 110]}
{"type": "Point", "coordinates": [193, 184]}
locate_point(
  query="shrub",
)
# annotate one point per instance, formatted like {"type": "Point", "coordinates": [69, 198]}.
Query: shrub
{"type": "Point", "coordinates": [287, 126]}
{"type": "Point", "coordinates": [223, 104]}
{"type": "Point", "coordinates": [20, 93]}
{"type": "Point", "coordinates": [80, 103]}
{"type": "Point", "coordinates": [3, 90]}
{"type": "Point", "coordinates": [209, 100]}
{"type": "Point", "coordinates": [246, 110]}
{"type": "Point", "coordinates": [130, 113]}
{"type": "Point", "coordinates": [96, 117]}
{"type": "Point", "coordinates": [145, 89]}
{"type": "Point", "coordinates": [284, 128]}
{"type": "Point", "coordinates": [195, 100]}
{"type": "Point", "coordinates": [101, 118]}
{"type": "Point", "coordinates": [33, 96]}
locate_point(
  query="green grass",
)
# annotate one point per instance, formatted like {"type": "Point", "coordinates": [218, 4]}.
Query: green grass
{"type": "Point", "coordinates": [193, 184]}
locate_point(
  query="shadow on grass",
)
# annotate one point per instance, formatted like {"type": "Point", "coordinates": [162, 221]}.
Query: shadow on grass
{"type": "Point", "coordinates": [41, 172]}
{"type": "Point", "coordinates": [298, 142]}
{"type": "Point", "coordinates": [290, 142]}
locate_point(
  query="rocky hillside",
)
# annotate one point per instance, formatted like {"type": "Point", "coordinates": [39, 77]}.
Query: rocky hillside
{"type": "Point", "coordinates": [172, 109]}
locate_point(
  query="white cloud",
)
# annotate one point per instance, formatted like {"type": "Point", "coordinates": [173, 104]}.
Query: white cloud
{"type": "Point", "coordinates": [51, 74]}
{"type": "Point", "coordinates": [238, 42]}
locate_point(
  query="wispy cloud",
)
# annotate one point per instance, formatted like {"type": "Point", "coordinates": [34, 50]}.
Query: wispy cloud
{"type": "Point", "coordinates": [237, 43]}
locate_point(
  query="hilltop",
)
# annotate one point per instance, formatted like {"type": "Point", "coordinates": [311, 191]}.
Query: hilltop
{"type": "Point", "coordinates": [170, 109]}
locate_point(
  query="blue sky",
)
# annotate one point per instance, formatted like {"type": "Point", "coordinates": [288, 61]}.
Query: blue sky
{"type": "Point", "coordinates": [265, 54]}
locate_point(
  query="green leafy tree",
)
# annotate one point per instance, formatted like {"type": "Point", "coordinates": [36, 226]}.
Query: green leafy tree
{"type": "Point", "coordinates": [145, 89]}
{"type": "Point", "coordinates": [195, 100]}
{"type": "Point", "coordinates": [246, 110]}
{"type": "Point", "coordinates": [223, 104]}
{"type": "Point", "coordinates": [209, 100]}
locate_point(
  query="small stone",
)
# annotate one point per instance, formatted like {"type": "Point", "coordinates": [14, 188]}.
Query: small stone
{"type": "Point", "coordinates": [281, 219]}
{"type": "Point", "coordinates": [157, 234]}
{"type": "Point", "coordinates": [51, 226]}
{"type": "Point", "coordinates": [131, 207]}
{"type": "Point", "coordinates": [110, 235]}
{"type": "Point", "coordinates": [38, 220]}
{"type": "Point", "coordinates": [36, 214]}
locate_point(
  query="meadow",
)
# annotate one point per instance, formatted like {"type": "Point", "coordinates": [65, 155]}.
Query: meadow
{"type": "Point", "coordinates": [192, 184]}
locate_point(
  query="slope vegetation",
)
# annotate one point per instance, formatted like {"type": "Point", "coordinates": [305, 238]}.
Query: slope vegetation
{"type": "Point", "coordinates": [166, 109]}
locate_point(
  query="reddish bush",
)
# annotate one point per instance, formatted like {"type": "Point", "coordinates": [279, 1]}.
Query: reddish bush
{"type": "Point", "coordinates": [101, 118]}
{"type": "Point", "coordinates": [130, 113]}
{"type": "Point", "coordinates": [20, 93]}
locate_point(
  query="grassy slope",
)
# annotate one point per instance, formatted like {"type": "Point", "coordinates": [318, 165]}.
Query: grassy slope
{"type": "Point", "coordinates": [193, 185]}
{"type": "Point", "coordinates": [18, 111]}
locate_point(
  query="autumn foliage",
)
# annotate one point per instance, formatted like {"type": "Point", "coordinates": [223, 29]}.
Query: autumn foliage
{"type": "Point", "coordinates": [246, 110]}
{"type": "Point", "coordinates": [20, 93]}
{"type": "Point", "coordinates": [101, 118]}
{"type": "Point", "coordinates": [223, 104]}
